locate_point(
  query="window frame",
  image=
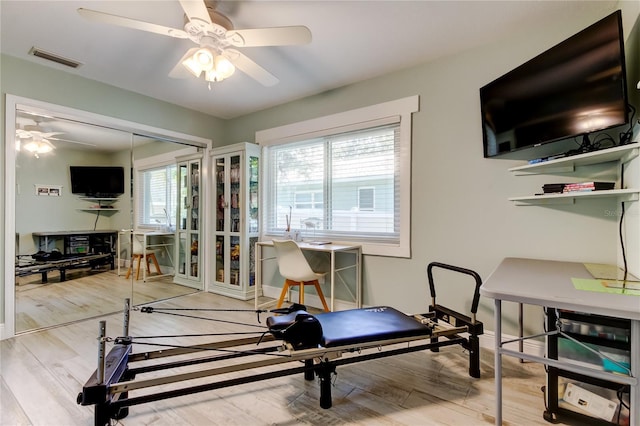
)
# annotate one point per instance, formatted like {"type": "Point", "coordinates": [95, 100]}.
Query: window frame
{"type": "Point", "coordinates": [140, 167]}
{"type": "Point", "coordinates": [399, 110]}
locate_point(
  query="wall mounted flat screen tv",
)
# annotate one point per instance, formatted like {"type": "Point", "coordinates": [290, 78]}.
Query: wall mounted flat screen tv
{"type": "Point", "coordinates": [575, 88]}
{"type": "Point", "coordinates": [97, 181]}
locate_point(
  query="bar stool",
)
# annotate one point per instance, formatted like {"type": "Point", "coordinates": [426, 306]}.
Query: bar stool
{"type": "Point", "coordinates": [295, 269]}
{"type": "Point", "coordinates": [139, 254]}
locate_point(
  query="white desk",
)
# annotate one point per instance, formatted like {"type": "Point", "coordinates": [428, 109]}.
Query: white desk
{"type": "Point", "coordinates": [148, 242]}
{"type": "Point", "coordinates": [332, 250]}
{"type": "Point", "coordinates": [548, 283]}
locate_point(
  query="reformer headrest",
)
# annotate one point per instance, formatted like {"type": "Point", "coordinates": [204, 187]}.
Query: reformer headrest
{"type": "Point", "coordinates": [301, 329]}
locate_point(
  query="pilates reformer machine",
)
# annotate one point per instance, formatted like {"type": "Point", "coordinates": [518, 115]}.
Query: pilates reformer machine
{"type": "Point", "coordinates": [293, 342]}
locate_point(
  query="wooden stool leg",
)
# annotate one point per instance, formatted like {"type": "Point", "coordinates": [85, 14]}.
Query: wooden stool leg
{"type": "Point", "coordinates": [283, 293]}
{"type": "Point", "coordinates": [301, 293]}
{"type": "Point", "coordinates": [154, 259]}
{"type": "Point", "coordinates": [319, 291]}
{"type": "Point", "coordinates": [138, 268]}
{"type": "Point", "coordinates": [130, 269]}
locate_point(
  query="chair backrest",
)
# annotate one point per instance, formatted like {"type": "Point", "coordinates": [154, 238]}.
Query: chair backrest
{"type": "Point", "coordinates": [291, 262]}
{"type": "Point", "coordinates": [138, 243]}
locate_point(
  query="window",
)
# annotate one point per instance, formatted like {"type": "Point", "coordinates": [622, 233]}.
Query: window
{"type": "Point", "coordinates": [366, 199]}
{"type": "Point", "coordinates": [156, 189]}
{"type": "Point", "coordinates": [347, 175]}
{"type": "Point", "coordinates": [157, 194]}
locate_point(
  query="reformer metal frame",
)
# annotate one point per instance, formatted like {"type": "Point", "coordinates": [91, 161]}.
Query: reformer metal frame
{"type": "Point", "coordinates": [109, 386]}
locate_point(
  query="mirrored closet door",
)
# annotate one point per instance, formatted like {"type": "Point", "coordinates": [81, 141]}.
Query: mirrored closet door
{"type": "Point", "coordinates": [95, 214]}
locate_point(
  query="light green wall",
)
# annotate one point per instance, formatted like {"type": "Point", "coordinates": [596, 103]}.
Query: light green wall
{"type": "Point", "coordinates": [460, 212]}
{"type": "Point", "coordinates": [37, 213]}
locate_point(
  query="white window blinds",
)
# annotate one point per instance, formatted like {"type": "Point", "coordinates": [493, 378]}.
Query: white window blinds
{"type": "Point", "coordinates": [156, 194]}
{"type": "Point", "coordinates": [343, 186]}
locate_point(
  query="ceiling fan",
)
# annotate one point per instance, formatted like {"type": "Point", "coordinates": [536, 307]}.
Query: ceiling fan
{"type": "Point", "coordinates": [32, 138]}
{"type": "Point", "coordinates": [35, 141]}
{"type": "Point", "coordinates": [215, 57]}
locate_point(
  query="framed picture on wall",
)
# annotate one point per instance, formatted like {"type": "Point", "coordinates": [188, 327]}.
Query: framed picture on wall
{"type": "Point", "coordinates": [48, 190]}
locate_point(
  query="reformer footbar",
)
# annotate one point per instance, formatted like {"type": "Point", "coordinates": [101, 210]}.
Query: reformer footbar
{"type": "Point", "coordinates": [321, 342]}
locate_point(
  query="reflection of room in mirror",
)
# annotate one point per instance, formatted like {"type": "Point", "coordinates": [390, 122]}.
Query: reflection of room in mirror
{"type": "Point", "coordinates": [84, 288]}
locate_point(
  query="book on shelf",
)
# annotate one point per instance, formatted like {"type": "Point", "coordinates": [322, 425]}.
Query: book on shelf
{"type": "Point", "coordinates": [553, 188]}
{"type": "Point", "coordinates": [559, 188]}
{"type": "Point", "coordinates": [588, 186]}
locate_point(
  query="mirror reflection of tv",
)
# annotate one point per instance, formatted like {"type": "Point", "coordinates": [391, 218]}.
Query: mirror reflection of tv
{"type": "Point", "coordinates": [571, 90]}
{"type": "Point", "coordinates": [97, 181]}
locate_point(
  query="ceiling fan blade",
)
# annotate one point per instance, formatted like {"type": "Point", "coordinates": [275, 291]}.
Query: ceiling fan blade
{"type": "Point", "coordinates": [70, 141]}
{"type": "Point", "coordinates": [179, 71]}
{"type": "Point", "coordinates": [50, 134]}
{"type": "Point", "coordinates": [196, 11]}
{"type": "Point", "coordinates": [29, 133]}
{"type": "Point", "coordinates": [250, 68]}
{"type": "Point", "coordinates": [35, 114]}
{"type": "Point", "coordinates": [23, 134]}
{"type": "Point", "coordinates": [276, 36]}
{"type": "Point", "coordinates": [94, 15]}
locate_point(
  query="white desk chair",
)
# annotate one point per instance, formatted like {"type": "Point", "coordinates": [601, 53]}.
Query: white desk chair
{"type": "Point", "coordinates": [295, 269]}
{"type": "Point", "coordinates": [139, 253]}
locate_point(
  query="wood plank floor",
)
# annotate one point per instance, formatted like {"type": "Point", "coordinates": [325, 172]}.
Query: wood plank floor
{"type": "Point", "coordinates": [85, 294]}
{"type": "Point", "coordinates": [43, 372]}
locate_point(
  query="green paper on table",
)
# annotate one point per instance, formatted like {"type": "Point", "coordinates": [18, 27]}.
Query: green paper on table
{"type": "Point", "coordinates": [607, 286]}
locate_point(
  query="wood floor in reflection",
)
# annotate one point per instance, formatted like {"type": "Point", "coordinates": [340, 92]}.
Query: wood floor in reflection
{"type": "Point", "coordinates": [84, 294]}
{"type": "Point", "coordinates": [43, 372]}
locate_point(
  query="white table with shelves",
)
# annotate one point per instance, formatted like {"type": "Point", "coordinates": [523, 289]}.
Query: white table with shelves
{"type": "Point", "coordinates": [334, 272]}
{"type": "Point", "coordinates": [149, 242]}
{"type": "Point", "coordinates": [549, 284]}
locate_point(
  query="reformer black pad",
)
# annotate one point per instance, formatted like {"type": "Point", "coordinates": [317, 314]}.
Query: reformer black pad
{"type": "Point", "coordinates": [354, 326]}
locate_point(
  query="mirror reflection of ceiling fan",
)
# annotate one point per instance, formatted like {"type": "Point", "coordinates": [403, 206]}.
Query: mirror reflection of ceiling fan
{"type": "Point", "coordinates": [215, 57]}
{"type": "Point", "coordinates": [33, 138]}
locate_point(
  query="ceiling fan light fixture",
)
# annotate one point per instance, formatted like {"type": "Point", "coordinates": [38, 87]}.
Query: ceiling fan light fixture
{"type": "Point", "coordinates": [201, 60]}
{"type": "Point", "coordinates": [224, 67]}
{"type": "Point", "coordinates": [221, 68]}
{"type": "Point", "coordinates": [38, 146]}
{"type": "Point", "coordinates": [205, 58]}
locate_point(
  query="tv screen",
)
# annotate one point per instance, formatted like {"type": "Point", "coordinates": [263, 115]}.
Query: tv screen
{"type": "Point", "coordinates": [97, 181]}
{"type": "Point", "coordinates": [574, 88]}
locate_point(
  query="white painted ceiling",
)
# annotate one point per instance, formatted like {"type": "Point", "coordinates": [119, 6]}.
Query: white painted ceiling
{"type": "Point", "coordinates": [352, 41]}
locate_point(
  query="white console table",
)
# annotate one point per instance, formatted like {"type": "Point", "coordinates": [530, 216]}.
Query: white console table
{"type": "Point", "coordinates": [549, 283]}
{"type": "Point", "coordinates": [149, 241]}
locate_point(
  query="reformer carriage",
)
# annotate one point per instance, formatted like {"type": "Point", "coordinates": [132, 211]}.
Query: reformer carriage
{"type": "Point", "coordinates": [294, 342]}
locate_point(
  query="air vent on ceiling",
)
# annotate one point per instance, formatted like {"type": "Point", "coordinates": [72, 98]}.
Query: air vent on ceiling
{"type": "Point", "coordinates": [35, 51]}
